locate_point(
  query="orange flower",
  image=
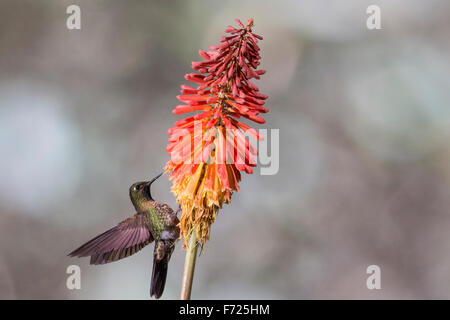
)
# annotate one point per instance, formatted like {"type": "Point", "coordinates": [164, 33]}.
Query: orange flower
{"type": "Point", "coordinates": [208, 150]}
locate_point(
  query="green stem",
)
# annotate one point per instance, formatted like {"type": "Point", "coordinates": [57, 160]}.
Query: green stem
{"type": "Point", "coordinates": [189, 267]}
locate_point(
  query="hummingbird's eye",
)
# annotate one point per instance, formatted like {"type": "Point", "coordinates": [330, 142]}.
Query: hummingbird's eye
{"type": "Point", "coordinates": [137, 188]}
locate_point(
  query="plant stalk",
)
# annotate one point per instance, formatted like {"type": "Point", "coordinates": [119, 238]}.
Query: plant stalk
{"type": "Point", "coordinates": [189, 267]}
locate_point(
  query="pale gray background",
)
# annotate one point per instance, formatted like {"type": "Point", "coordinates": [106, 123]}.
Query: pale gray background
{"type": "Point", "coordinates": [364, 121]}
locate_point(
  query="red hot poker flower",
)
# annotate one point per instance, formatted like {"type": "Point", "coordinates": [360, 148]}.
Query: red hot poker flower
{"type": "Point", "coordinates": [208, 150]}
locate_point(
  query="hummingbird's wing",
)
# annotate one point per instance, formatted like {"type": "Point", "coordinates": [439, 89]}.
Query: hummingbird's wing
{"type": "Point", "coordinates": [121, 241]}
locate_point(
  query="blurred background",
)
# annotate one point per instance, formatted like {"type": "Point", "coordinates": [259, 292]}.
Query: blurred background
{"type": "Point", "coordinates": [364, 123]}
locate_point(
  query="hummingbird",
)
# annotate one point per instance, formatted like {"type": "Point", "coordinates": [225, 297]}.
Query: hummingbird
{"type": "Point", "coordinates": [154, 221]}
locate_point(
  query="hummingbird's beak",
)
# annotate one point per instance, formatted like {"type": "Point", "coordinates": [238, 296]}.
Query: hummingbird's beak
{"type": "Point", "coordinates": [153, 180]}
{"type": "Point", "coordinates": [147, 192]}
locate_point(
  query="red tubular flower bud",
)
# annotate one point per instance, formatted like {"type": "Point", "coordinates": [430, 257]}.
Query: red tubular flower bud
{"type": "Point", "coordinates": [239, 23]}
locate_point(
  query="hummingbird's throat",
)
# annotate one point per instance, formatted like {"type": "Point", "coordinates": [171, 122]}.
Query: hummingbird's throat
{"type": "Point", "coordinates": [146, 192]}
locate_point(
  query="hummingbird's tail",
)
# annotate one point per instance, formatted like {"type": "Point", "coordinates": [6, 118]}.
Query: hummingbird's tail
{"type": "Point", "coordinates": [159, 275]}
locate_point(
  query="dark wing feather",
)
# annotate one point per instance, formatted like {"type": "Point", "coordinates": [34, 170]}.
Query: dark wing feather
{"type": "Point", "coordinates": [121, 241]}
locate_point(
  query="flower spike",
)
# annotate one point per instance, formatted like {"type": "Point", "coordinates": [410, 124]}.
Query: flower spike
{"type": "Point", "coordinates": [209, 150]}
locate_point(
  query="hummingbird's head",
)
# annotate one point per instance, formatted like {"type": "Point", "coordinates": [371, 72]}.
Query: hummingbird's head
{"type": "Point", "coordinates": [140, 191]}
